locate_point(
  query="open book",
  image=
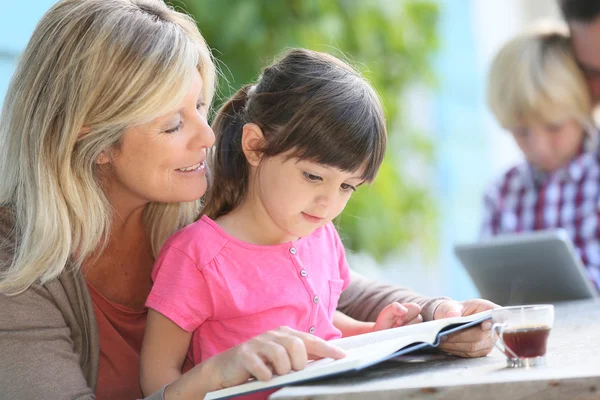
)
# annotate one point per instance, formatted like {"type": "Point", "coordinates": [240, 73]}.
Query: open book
{"type": "Point", "coordinates": [363, 351]}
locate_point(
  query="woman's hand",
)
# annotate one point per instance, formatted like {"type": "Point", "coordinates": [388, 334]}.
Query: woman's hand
{"type": "Point", "coordinates": [473, 342]}
{"type": "Point", "coordinates": [396, 314]}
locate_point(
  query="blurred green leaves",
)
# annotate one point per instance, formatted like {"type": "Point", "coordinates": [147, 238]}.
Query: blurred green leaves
{"type": "Point", "coordinates": [391, 42]}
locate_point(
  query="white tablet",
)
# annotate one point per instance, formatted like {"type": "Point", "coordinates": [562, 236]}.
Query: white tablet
{"type": "Point", "coordinates": [527, 268]}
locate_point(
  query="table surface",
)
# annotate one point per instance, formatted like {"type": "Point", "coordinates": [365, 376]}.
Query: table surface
{"type": "Point", "coordinates": [572, 371]}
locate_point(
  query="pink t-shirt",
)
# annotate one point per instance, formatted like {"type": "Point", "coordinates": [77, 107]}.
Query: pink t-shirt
{"type": "Point", "coordinates": [227, 291]}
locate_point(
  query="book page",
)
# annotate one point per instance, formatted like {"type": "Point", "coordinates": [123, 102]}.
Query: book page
{"type": "Point", "coordinates": [361, 350]}
{"type": "Point", "coordinates": [355, 358]}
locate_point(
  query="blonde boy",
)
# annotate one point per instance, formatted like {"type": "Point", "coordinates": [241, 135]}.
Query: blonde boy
{"type": "Point", "coordinates": [538, 93]}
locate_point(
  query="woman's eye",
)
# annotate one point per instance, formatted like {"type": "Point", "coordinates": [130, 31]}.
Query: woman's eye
{"type": "Point", "coordinates": [347, 188]}
{"type": "Point", "coordinates": [312, 178]}
{"type": "Point", "coordinates": [175, 129]}
{"type": "Point", "coordinates": [200, 105]}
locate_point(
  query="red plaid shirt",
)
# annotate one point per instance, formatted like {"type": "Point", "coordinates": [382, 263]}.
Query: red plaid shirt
{"type": "Point", "coordinates": [526, 200]}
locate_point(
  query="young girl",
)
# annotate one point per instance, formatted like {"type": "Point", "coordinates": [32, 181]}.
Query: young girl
{"type": "Point", "coordinates": [290, 151]}
{"type": "Point", "coordinates": [537, 92]}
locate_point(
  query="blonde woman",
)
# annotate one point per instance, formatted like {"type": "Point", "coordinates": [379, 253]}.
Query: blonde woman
{"type": "Point", "coordinates": [103, 137]}
{"type": "Point", "coordinates": [539, 94]}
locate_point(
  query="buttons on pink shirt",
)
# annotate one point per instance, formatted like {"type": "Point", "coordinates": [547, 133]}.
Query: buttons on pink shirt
{"type": "Point", "coordinates": [316, 299]}
{"type": "Point", "coordinates": [293, 250]}
{"type": "Point", "coordinates": [311, 330]}
{"type": "Point", "coordinates": [303, 273]}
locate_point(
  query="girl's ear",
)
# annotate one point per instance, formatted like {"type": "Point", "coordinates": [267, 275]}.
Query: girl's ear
{"type": "Point", "coordinates": [252, 142]}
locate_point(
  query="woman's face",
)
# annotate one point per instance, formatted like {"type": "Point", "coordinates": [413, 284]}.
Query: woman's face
{"type": "Point", "coordinates": [163, 160]}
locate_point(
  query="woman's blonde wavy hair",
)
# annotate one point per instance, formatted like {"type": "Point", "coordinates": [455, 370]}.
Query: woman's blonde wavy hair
{"type": "Point", "coordinates": [99, 67]}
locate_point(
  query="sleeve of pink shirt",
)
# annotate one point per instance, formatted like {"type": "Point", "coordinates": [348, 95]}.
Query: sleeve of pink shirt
{"type": "Point", "coordinates": [179, 291]}
{"type": "Point", "coordinates": [342, 262]}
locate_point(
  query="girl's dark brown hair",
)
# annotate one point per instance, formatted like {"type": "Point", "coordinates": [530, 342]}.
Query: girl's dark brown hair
{"type": "Point", "coordinates": [307, 103]}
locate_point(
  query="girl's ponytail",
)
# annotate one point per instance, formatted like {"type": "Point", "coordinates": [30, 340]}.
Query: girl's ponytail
{"type": "Point", "coordinates": [227, 160]}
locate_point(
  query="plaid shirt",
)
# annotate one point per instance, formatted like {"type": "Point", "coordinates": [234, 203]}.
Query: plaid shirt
{"type": "Point", "coordinates": [526, 200]}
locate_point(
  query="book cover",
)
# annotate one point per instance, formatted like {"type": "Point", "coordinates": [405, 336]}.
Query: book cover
{"type": "Point", "coordinates": [363, 351]}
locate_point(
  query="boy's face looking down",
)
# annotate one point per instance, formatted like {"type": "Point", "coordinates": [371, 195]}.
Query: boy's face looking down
{"type": "Point", "coordinates": [549, 146]}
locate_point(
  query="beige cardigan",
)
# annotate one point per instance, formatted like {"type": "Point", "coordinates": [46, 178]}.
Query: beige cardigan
{"type": "Point", "coordinates": [49, 345]}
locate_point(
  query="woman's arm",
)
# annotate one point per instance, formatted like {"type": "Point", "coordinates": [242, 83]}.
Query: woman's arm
{"type": "Point", "coordinates": [364, 299]}
{"type": "Point", "coordinates": [38, 356]}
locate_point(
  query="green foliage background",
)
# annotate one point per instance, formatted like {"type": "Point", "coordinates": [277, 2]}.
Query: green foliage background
{"type": "Point", "coordinates": [390, 42]}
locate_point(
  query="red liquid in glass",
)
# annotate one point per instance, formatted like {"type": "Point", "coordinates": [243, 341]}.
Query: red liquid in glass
{"type": "Point", "coordinates": [527, 342]}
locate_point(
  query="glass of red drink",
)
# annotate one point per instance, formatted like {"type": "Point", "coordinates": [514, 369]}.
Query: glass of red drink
{"type": "Point", "coordinates": [523, 333]}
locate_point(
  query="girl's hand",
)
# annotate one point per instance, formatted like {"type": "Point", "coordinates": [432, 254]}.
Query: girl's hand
{"type": "Point", "coordinates": [278, 351]}
{"type": "Point", "coordinates": [396, 314]}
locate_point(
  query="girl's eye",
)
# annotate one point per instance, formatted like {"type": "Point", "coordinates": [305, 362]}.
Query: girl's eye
{"type": "Point", "coordinates": [347, 188]}
{"type": "Point", "coordinates": [200, 105]}
{"type": "Point", "coordinates": [311, 177]}
{"type": "Point", "coordinates": [175, 129]}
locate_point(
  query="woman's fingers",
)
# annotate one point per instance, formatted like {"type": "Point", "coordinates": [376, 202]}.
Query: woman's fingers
{"type": "Point", "coordinates": [469, 348]}
{"type": "Point", "coordinates": [471, 335]}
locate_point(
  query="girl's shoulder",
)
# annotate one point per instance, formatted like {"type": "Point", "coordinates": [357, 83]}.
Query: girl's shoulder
{"type": "Point", "coordinates": [200, 241]}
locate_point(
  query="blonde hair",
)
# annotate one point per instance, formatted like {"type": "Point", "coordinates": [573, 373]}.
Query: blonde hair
{"type": "Point", "coordinates": [104, 65]}
{"type": "Point", "coordinates": [535, 78]}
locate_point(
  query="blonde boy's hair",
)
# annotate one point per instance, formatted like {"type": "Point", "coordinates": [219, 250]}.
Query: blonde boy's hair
{"type": "Point", "coordinates": [535, 78]}
{"type": "Point", "coordinates": [99, 67]}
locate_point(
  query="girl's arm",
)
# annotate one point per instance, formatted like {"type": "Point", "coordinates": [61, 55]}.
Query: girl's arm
{"type": "Point", "coordinates": [277, 351]}
{"type": "Point", "coordinates": [392, 316]}
{"type": "Point", "coordinates": [163, 352]}
{"type": "Point", "coordinates": [349, 326]}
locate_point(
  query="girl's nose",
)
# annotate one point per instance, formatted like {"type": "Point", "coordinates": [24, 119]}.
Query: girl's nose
{"type": "Point", "coordinates": [323, 200]}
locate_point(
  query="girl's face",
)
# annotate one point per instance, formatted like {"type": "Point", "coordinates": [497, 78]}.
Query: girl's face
{"type": "Point", "coordinates": [549, 147]}
{"type": "Point", "coordinates": [301, 196]}
{"type": "Point", "coordinates": [163, 160]}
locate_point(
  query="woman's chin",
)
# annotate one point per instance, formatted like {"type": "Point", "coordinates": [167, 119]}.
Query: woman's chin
{"type": "Point", "coordinates": [183, 197]}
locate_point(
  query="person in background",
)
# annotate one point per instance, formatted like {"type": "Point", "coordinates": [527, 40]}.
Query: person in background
{"type": "Point", "coordinates": [538, 93]}
{"type": "Point", "coordinates": [583, 18]}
